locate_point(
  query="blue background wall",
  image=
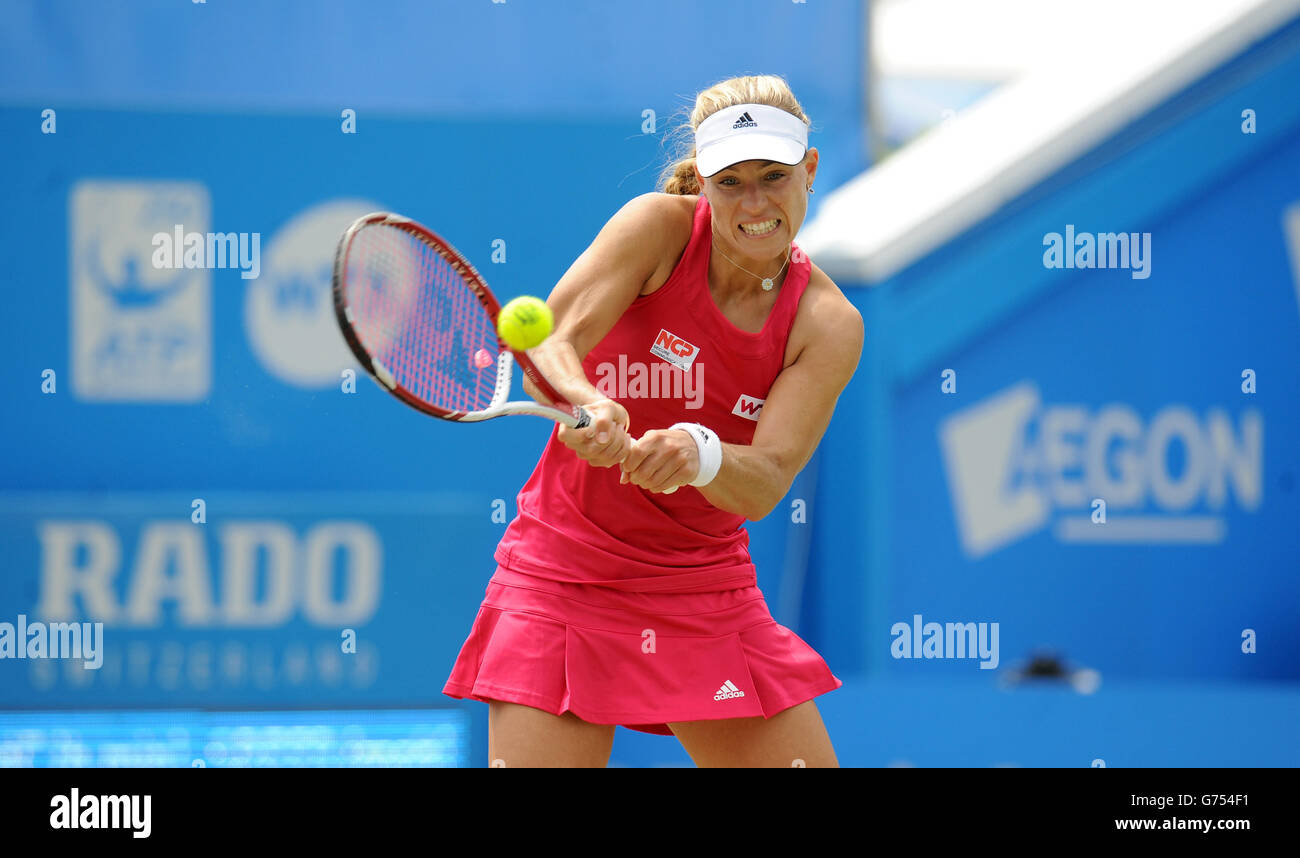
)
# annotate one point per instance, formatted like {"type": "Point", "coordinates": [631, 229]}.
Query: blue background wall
{"type": "Point", "coordinates": [518, 123]}
{"type": "Point", "coordinates": [523, 123]}
{"type": "Point", "coordinates": [1221, 298]}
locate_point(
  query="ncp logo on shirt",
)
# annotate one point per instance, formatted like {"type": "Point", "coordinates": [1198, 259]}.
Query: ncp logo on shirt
{"type": "Point", "coordinates": [674, 349]}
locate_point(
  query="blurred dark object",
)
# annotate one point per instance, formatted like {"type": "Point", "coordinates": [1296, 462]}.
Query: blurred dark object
{"type": "Point", "coordinates": [1048, 666]}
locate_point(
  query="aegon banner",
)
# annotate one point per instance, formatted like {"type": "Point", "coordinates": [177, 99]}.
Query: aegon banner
{"type": "Point", "coordinates": [1112, 473]}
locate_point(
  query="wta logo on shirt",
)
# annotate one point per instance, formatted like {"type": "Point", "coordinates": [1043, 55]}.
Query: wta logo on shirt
{"type": "Point", "coordinates": [674, 349]}
{"type": "Point", "coordinates": [749, 407]}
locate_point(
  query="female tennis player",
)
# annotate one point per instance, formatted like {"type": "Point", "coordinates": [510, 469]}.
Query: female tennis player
{"type": "Point", "coordinates": [710, 353]}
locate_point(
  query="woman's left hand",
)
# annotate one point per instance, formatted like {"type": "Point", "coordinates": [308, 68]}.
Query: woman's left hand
{"type": "Point", "coordinates": [661, 460]}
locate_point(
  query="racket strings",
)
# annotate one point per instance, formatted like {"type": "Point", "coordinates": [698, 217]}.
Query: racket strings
{"type": "Point", "coordinates": [415, 314]}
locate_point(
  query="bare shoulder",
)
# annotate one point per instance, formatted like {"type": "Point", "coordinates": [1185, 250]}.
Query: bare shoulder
{"type": "Point", "coordinates": [667, 220]}
{"type": "Point", "coordinates": [827, 322]}
{"type": "Point", "coordinates": [637, 247]}
{"type": "Point", "coordinates": [661, 207]}
{"type": "Point", "coordinates": [659, 218]}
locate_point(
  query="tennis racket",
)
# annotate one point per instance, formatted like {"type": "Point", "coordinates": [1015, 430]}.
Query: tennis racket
{"type": "Point", "coordinates": [423, 323]}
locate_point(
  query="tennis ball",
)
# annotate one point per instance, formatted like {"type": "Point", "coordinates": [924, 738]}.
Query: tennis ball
{"type": "Point", "coordinates": [525, 322]}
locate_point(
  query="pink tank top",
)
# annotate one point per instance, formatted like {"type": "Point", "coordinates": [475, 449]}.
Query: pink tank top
{"type": "Point", "coordinates": [672, 357]}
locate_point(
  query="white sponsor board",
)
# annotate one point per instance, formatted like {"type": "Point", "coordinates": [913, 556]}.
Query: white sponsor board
{"type": "Point", "coordinates": [289, 308]}
{"type": "Point", "coordinates": [137, 333]}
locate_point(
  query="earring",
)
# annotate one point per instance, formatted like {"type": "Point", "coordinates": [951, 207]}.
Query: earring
{"type": "Point", "coordinates": [810, 190]}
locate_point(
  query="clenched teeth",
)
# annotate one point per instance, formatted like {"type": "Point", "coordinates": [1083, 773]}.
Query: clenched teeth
{"type": "Point", "coordinates": [760, 228]}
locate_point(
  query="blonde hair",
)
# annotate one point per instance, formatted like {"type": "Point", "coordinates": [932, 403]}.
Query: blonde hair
{"type": "Point", "coordinates": [772, 90]}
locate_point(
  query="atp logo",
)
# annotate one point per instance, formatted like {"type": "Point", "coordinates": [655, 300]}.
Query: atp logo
{"type": "Point", "coordinates": [137, 333]}
{"type": "Point", "coordinates": [674, 349]}
{"type": "Point", "coordinates": [1015, 465]}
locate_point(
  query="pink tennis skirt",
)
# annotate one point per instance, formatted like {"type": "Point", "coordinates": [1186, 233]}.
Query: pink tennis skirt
{"type": "Point", "coordinates": [641, 660]}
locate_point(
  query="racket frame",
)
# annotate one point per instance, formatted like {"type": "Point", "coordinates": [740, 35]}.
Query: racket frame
{"type": "Point", "coordinates": [561, 410]}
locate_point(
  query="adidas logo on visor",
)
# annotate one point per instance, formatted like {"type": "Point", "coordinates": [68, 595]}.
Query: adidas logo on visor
{"type": "Point", "coordinates": [745, 121]}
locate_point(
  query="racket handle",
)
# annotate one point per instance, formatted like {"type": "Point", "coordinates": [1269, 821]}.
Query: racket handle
{"type": "Point", "coordinates": [584, 419]}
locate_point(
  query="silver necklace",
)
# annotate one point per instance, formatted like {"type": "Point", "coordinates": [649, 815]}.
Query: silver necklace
{"type": "Point", "coordinates": [768, 282]}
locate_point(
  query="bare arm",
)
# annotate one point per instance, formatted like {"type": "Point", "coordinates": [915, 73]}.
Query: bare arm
{"type": "Point", "coordinates": [754, 477]}
{"type": "Point", "coordinates": [587, 302]}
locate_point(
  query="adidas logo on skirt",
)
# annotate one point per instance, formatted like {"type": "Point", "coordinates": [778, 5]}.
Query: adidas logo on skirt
{"type": "Point", "coordinates": [728, 690]}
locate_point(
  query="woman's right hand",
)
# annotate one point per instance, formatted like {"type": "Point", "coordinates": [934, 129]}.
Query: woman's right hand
{"type": "Point", "coordinates": [605, 441]}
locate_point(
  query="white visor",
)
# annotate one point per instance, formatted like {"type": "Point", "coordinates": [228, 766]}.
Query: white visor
{"type": "Point", "coordinates": [749, 132]}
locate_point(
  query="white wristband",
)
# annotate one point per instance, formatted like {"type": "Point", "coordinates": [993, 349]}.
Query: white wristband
{"type": "Point", "coordinates": [709, 448]}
